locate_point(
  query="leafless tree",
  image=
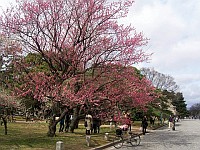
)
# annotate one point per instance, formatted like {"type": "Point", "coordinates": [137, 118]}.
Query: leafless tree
{"type": "Point", "coordinates": [159, 80]}
{"type": "Point", "coordinates": [195, 110]}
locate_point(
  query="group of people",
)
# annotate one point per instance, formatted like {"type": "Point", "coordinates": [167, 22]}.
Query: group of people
{"type": "Point", "coordinates": [92, 125]}
{"type": "Point", "coordinates": [64, 123]}
{"type": "Point", "coordinates": [127, 123]}
{"type": "Point", "coordinates": [171, 122]}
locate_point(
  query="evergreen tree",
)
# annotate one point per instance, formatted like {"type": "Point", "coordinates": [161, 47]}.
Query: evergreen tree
{"type": "Point", "coordinates": [180, 103]}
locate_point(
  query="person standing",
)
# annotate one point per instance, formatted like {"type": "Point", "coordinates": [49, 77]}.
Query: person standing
{"type": "Point", "coordinates": [27, 116]}
{"type": "Point", "coordinates": [170, 122]}
{"type": "Point", "coordinates": [67, 122]}
{"type": "Point", "coordinates": [88, 123]}
{"type": "Point", "coordinates": [154, 118]}
{"type": "Point", "coordinates": [128, 121]}
{"type": "Point", "coordinates": [96, 125]}
{"type": "Point", "coordinates": [173, 122]}
{"type": "Point", "coordinates": [62, 121]}
{"type": "Point", "coordinates": [144, 125]}
{"type": "Point", "coordinates": [151, 121]}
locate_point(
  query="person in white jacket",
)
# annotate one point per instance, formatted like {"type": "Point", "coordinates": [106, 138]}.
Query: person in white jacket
{"type": "Point", "coordinates": [88, 123]}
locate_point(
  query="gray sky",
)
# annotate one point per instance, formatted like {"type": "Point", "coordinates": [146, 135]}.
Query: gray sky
{"type": "Point", "coordinates": [173, 27]}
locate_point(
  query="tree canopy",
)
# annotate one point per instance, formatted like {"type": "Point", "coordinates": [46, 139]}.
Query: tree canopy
{"type": "Point", "coordinates": [78, 53]}
{"type": "Point", "coordinates": [74, 39]}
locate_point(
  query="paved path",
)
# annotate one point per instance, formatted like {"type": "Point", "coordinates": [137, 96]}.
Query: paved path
{"type": "Point", "coordinates": [185, 137]}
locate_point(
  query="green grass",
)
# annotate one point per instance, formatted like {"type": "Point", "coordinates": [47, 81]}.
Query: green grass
{"type": "Point", "coordinates": [33, 135]}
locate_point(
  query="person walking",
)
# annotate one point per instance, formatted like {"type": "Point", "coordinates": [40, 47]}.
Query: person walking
{"type": "Point", "coordinates": [144, 125]}
{"type": "Point", "coordinates": [170, 122]}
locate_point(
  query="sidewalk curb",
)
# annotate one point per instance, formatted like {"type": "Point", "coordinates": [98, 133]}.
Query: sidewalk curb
{"type": "Point", "coordinates": [103, 146]}
{"type": "Point", "coordinates": [106, 145]}
{"type": "Point", "coordinates": [111, 143]}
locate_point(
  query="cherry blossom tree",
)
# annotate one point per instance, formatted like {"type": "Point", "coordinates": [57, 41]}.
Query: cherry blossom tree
{"type": "Point", "coordinates": [86, 53]}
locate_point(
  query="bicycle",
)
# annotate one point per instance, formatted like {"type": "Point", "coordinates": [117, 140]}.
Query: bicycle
{"type": "Point", "coordinates": [118, 141]}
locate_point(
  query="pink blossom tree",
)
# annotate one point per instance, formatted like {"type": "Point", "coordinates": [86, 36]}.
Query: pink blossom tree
{"type": "Point", "coordinates": [87, 53]}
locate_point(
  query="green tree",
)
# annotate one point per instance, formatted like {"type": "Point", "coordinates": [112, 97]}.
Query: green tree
{"type": "Point", "coordinates": [180, 104]}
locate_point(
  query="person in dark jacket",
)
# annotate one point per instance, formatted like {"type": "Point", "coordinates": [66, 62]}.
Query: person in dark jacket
{"type": "Point", "coordinates": [144, 125]}
{"type": "Point", "coordinates": [62, 121]}
{"type": "Point", "coordinates": [96, 125]}
{"type": "Point", "coordinates": [67, 122]}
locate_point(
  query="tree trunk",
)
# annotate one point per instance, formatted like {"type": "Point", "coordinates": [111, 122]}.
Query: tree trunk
{"type": "Point", "coordinates": [76, 117]}
{"type": "Point", "coordinates": [74, 120]}
{"type": "Point", "coordinates": [53, 123]}
{"type": "Point", "coordinates": [73, 124]}
{"type": "Point", "coordinates": [5, 124]}
{"type": "Point", "coordinates": [52, 127]}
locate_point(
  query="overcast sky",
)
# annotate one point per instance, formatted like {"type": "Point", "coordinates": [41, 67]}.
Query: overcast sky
{"type": "Point", "coordinates": [173, 27]}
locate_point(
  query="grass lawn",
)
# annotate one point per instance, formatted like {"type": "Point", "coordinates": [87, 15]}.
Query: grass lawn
{"type": "Point", "coordinates": [33, 136]}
